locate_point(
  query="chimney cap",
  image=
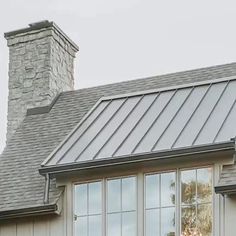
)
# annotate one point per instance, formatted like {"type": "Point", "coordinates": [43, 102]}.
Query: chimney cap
{"type": "Point", "coordinates": [41, 25]}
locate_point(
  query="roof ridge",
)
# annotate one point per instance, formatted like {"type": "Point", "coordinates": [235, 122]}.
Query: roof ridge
{"type": "Point", "coordinates": [169, 88]}
{"type": "Point", "coordinates": [177, 73]}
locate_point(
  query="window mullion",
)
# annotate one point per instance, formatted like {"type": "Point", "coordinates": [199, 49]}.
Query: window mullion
{"type": "Point", "coordinates": [140, 204]}
{"type": "Point", "coordinates": [178, 204]}
{"type": "Point", "coordinates": [196, 201]}
{"type": "Point", "coordinates": [121, 207]}
{"type": "Point", "coordinates": [159, 179]}
{"type": "Point", "coordinates": [104, 208]}
{"type": "Point", "coordinates": [87, 210]}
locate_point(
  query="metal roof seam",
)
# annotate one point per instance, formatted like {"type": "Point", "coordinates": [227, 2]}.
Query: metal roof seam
{"type": "Point", "coordinates": [59, 147]}
{"type": "Point", "coordinates": [153, 147]}
{"type": "Point", "coordinates": [212, 110]}
{"type": "Point", "coordinates": [141, 98]}
{"type": "Point", "coordinates": [71, 146]}
{"type": "Point", "coordinates": [154, 121]}
{"type": "Point", "coordinates": [230, 110]}
{"type": "Point", "coordinates": [100, 130]}
{"type": "Point", "coordinates": [120, 145]}
{"type": "Point", "coordinates": [182, 130]}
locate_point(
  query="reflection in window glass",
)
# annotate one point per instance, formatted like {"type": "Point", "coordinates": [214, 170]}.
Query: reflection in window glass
{"type": "Point", "coordinates": [167, 189]}
{"type": "Point", "coordinates": [113, 195]}
{"type": "Point", "coordinates": [188, 187]}
{"type": "Point", "coordinates": [121, 215]}
{"type": "Point", "coordinates": [204, 219]}
{"type": "Point", "coordinates": [81, 226]}
{"type": "Point", "coordinates": [196, 202]}
{"type": "Point", "coordinates": [129, 224]}
{"type": "Point", "coordinates": [95, 198]}
{"type": "Point", "coordinates": [128, 194]}
{"type": "Point", "coordinates": [81, 205]}
{"type": "Point", "coordinates": [88, 209]}
{"type": "Point", "coordinates": [114, 224]}
{"type": "Point", "coordinates": [152, 191]}
{"type": "Point", "coordinates": [168, 221]}
{"type": "Point", "coordinates": [188, 219]}
{"type": "Point", "coordinates": [204, 185]}
{"type": "Point", "coordinates": [160, 207]}
{"type": "Point", "coordinates": [152, 222]}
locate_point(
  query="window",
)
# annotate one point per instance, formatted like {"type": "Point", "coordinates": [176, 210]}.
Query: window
{"type": "Point", "coordinates": [160, 204]}
{"type": "Point", "coordinates": [196, 202]}
{"type": "Point", "coordinates": [121, 207]}
{"type": "Point", "coordinates": [88, 209]}
{"type": "Point", "coordinates": [175, 203]}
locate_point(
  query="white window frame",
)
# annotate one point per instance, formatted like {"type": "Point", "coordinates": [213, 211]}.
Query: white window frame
{"type": "Point", "coordinates": [140, 197]}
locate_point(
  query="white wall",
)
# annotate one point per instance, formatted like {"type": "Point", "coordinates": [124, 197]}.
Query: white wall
{"type": "Point", "coordinates": [230, 216]}
{"type": "Point", "coordinates": [41, 226]}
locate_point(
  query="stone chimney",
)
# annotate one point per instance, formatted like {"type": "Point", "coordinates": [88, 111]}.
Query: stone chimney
{"type": "Point", "coordinates": [41, 64]}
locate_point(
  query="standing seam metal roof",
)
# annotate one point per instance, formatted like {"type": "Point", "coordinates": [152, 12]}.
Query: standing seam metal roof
{"type": "Point", "coordinates": [153, 121]}
{"type": "Point", "coordinates": [21, 185]}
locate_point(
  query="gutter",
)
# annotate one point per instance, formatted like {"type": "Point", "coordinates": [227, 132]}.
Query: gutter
{"type": "Point", "coordinates": [51, 209]}
{"type": "Point", "coordinates": [226, 189]}
{"type": "Point", "coordinates": [139, 158]}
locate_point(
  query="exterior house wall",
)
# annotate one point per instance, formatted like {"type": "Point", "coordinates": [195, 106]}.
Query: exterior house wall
{"type": "Point", "coordinates": [41, 226]}
{"type": "Point", "coordinates": [224, 213]}
{"type": "Point", "coordinates": [230, 216]}
{"type": "Point", "coordinates": [37, 226]}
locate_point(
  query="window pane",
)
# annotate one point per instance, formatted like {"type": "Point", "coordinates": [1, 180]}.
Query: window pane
{"type": "Point", "coordinates": [188, 220]}
{"type": "Point", "coordinates": [129, 226]}
{"type": "Point", "coordinates": [129, 194]}
{"type": "Point", "coordinates": [168, 221]}
{"type": "Point", "coordinates": [152, 191]}
{"type": "Point", "coordinates": [204, 185]}
{"type": "Point", "coordinates": [81, 199]}
{"type": "Point", "coordinates": [95, 198]}
{"type": "Point", "coordinates": [114, 224]}
{"type": "Point", "coordinates": [188, 186]}
{"type": "Point", "coordinates": [152, 222]}
{"type": "Point", "coordinates": [168, 189]}
{"type": "Point", "coordinates": [81, 226]}
{"type": "Point", "coordinates": [95, 225]}
{"type": "Point", "coordinates": [114, 195]}
{"type": "Point", "coordinates": [204, 219]}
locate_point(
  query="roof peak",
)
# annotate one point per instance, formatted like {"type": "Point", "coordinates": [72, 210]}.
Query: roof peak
{"type": "Point", "coordinates": [184, 73]}
{"type": "Point", "coordinates": [169, 88]}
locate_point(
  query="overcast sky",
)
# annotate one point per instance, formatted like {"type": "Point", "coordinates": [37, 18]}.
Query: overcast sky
{"type": "Point", "coordinates": [126, 39]}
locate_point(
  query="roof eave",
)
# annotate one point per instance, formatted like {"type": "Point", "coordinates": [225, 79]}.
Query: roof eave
{"type": "Point", "coordinates": [226, 189]}
{"type": "Point", "coordinates": [139, 158]}
{"type": "Point", "coordinates": [51, 209]}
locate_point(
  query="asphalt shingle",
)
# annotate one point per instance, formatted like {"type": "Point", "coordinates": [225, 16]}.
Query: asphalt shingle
{"type": "Point", "coordinates": [21, 186]}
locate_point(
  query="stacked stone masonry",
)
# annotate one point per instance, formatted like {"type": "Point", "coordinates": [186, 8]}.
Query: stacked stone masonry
{"type": "Point", "coordinates": [41, 66]}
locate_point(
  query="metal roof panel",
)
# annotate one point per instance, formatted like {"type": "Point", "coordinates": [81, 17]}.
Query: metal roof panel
{"type": "Point", "coordinates": [147, 122]}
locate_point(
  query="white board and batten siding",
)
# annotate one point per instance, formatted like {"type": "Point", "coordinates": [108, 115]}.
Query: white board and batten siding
{"type": "Point", "coordinates": [43, 226]}
{"type": "Point", "coordinates": [224, 208]}
{"type": "Point", "coordinates": [54, 225]}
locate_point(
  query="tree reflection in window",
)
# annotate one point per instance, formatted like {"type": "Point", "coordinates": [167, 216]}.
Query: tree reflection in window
{"type": "Point", "coordinates": [196, 202]}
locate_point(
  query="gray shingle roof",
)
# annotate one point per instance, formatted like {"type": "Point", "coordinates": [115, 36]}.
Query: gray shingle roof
{"type": "Point", "coordinates": [38, 135]}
